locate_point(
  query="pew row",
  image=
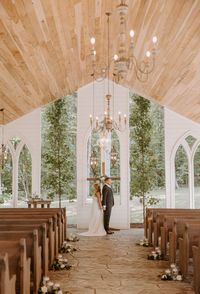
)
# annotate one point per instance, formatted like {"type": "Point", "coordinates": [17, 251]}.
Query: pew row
{"type": "Point", "coordinates": [19, 264]}
{"type": "Point", "coordinates": [33, 250]}
{"type": "Point", "coordinates": [7, 284]}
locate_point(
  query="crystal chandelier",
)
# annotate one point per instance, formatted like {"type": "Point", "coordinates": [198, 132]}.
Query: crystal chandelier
{"type": "Point", "coordinates": [125, 60]}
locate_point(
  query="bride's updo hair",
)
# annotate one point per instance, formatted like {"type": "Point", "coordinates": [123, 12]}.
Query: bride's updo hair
{"type": "Point", "coordinates": [97, 187]}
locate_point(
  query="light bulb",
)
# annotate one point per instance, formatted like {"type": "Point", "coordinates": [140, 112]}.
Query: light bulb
{"type": "Point", "coordinates": [148, 54]}
{"type": "Point", "coordinates": [90, 115]}
{"type": "Point", "coordinates": [115, 57]}
{"type": "Point", "coordinates": [132, 33]}
{"type": "Point", "coordinates": [92, 40]}
{"type": "Point", "coordinates": [154, 39]}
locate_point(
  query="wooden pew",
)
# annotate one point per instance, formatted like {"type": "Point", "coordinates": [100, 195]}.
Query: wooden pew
{"type": "Point", "coordinates": [61, 217]}
{"type": "Point", "coordinates": [160, 220]}
{"type": "Point", "coordinates": [43, 241]}
{"type": "Point", "coordinates": [190, 238]}
{"type": "Point", "coordinates": [176, 233]}
{"type": "Point", "coordinates": [196, 271]}
{"type": "Point", "coordinates": [151, 214]}
{"type": "Point", "coordinates": [34, 251]}
{"type": "Point", "coordinates": [7, 284]}
{"type": "Point", "coordinates": [169, 225]}
{"type": "Point", "coordinates": [52, 236]}
{"type": "Point", "coordinates": [19, 264]}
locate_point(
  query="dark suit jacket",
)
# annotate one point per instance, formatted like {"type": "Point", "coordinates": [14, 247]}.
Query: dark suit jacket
{"type": "Point", "coordinates": [107, 197]}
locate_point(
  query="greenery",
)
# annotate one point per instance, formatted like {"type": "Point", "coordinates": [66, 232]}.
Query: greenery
{"type": "Point", "coordinates": [146, 150]}
{"type": "Point", "coordinates": [25, 174]}
{"type": "Point", "coordinates": [59, 149]}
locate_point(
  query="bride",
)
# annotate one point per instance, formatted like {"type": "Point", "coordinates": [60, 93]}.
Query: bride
{"type": "Point", "coordinates": [96, 227]}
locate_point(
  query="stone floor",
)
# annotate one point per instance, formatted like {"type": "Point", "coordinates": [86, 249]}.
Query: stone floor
{"type": "Point", "coordinates": [114, 264]}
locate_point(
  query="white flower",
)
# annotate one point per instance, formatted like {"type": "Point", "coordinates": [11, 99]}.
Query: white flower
{"type": "Point", "coordinates": [45, 279]}
{"type": "Point", "coordinates": [62, 266]}
{"type": "Point", "coordinates": [44, 289]}
{"type": "Point", "coordinates": [60, 292]}
{"type": "Point", "coordinates": [167, 271]}
{"type": "Point", "coordinates": [57, 285]}
{"type": "Point", "coordinates": [49, 284]}
{"type": "Point", "coordinates": [59, 256]}
{"type": "Point", "coordinates": [172, 265]}
{"type": "Point", "coordinates": [65, 260]}
{"type": "Point", "coordinates": [179, 278]}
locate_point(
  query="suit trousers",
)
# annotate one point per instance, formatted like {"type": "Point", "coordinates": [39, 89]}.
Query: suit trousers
{"type": "Point", "coordinates": [107, 214]}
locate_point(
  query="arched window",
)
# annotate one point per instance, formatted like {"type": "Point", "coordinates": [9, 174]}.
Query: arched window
{"type": "Point", "coordinates": [25, 176]}
{"type": "Point", "coordinates": [6, 181]}
{"type": "Point", "coordinates": [197, 178]}
{"type": "Point", "coordinates": [182, 194]}
{"type": "Point", "coordinates": [93, 159]}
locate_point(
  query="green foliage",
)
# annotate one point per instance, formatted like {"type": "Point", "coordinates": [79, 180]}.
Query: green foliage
{"type": "Point", "coordinates": [143, 159]}
{"type": "Point", "coordinates": [181, 167]}
{"type": "Point", "coordinates": [59, 148]}
{"type": "Point", "coordinates": [25, 174]}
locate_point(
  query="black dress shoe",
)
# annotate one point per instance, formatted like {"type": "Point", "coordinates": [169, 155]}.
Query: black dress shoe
{"type": "Point", "coordinates": [109, 232]}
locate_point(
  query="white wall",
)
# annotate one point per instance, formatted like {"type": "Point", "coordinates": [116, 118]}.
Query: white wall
{"type": "Point", "coordinates": [120, 213]}
{"type": "Point", "coordinates": [28, 129]}
{"type": "Point", "coordinates": [177, 128]}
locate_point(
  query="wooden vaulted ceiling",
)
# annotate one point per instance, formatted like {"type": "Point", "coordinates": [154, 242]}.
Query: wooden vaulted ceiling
{"type": "Point", "coordinates": [45, 50]}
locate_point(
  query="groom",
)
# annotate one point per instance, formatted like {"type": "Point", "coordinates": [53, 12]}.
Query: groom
{"type": "Point", "coordinates": [107, 203]}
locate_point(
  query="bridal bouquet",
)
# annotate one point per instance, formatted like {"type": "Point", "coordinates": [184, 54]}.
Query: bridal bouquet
{"type": "Point", "coordinates": [67, 248]}
{"type": "Point", "coordinates": [60, 264]}
{"type": "Point", "coordinates": [172, 274]}
{"type": "Point", "coordinates": [49, 287]}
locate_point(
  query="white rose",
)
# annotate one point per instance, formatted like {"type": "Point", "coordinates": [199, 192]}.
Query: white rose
{"type": "Point", "coordinates": [59, 256]}
{"type": "Point", "coordinates": [44, 289]}
{"type": "Point", "coordinates": [179, 278]}
{"type": "Point", "coordinates": [45, 279]}
{"type": "Point", "coordinates": [172, 265]}
{"type": "Point", "coordinates": [57, 285]}
{"type": "Point", "coordinates": [62, 266]}
{"type": "Point", "coordinates": [65, 260]}
{"type": "Point", "coordinates": [167, 271]}
{"type": "Point", "coordinates": [60, 292]}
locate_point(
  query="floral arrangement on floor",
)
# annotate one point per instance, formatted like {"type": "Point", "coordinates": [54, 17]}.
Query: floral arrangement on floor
{"type": "Point", "coordinates": [49, 287]}
{"type": "Point", "coordinates": [72, 238]}
{"type": "Point", "coordinates": [143, 242]}
{"type": "Point", "coordinates": [60, 264]}
{"type": "Point", "coordinates": [67, 248]}
{"type": "Point", "coordinates": [172, 274]}
{"type": "Point", "coordinates": [156, 254]}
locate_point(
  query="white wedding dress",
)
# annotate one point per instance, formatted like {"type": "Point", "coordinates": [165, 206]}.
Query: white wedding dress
{"type": "Point", "coordinates": [96, 227]}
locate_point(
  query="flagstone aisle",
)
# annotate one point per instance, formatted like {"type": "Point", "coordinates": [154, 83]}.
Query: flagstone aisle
{"type": "Point", "coordinates": [115, 265]}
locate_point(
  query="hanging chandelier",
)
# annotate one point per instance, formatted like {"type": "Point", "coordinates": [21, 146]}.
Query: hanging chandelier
{"type": "Point", "coordinates": [124, 60]}
{"type": "Point", "coordinates": [107, 123]}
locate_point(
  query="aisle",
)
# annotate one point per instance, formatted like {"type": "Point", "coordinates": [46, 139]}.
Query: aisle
{"type": "Point", "coordinates": [115, 265]}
